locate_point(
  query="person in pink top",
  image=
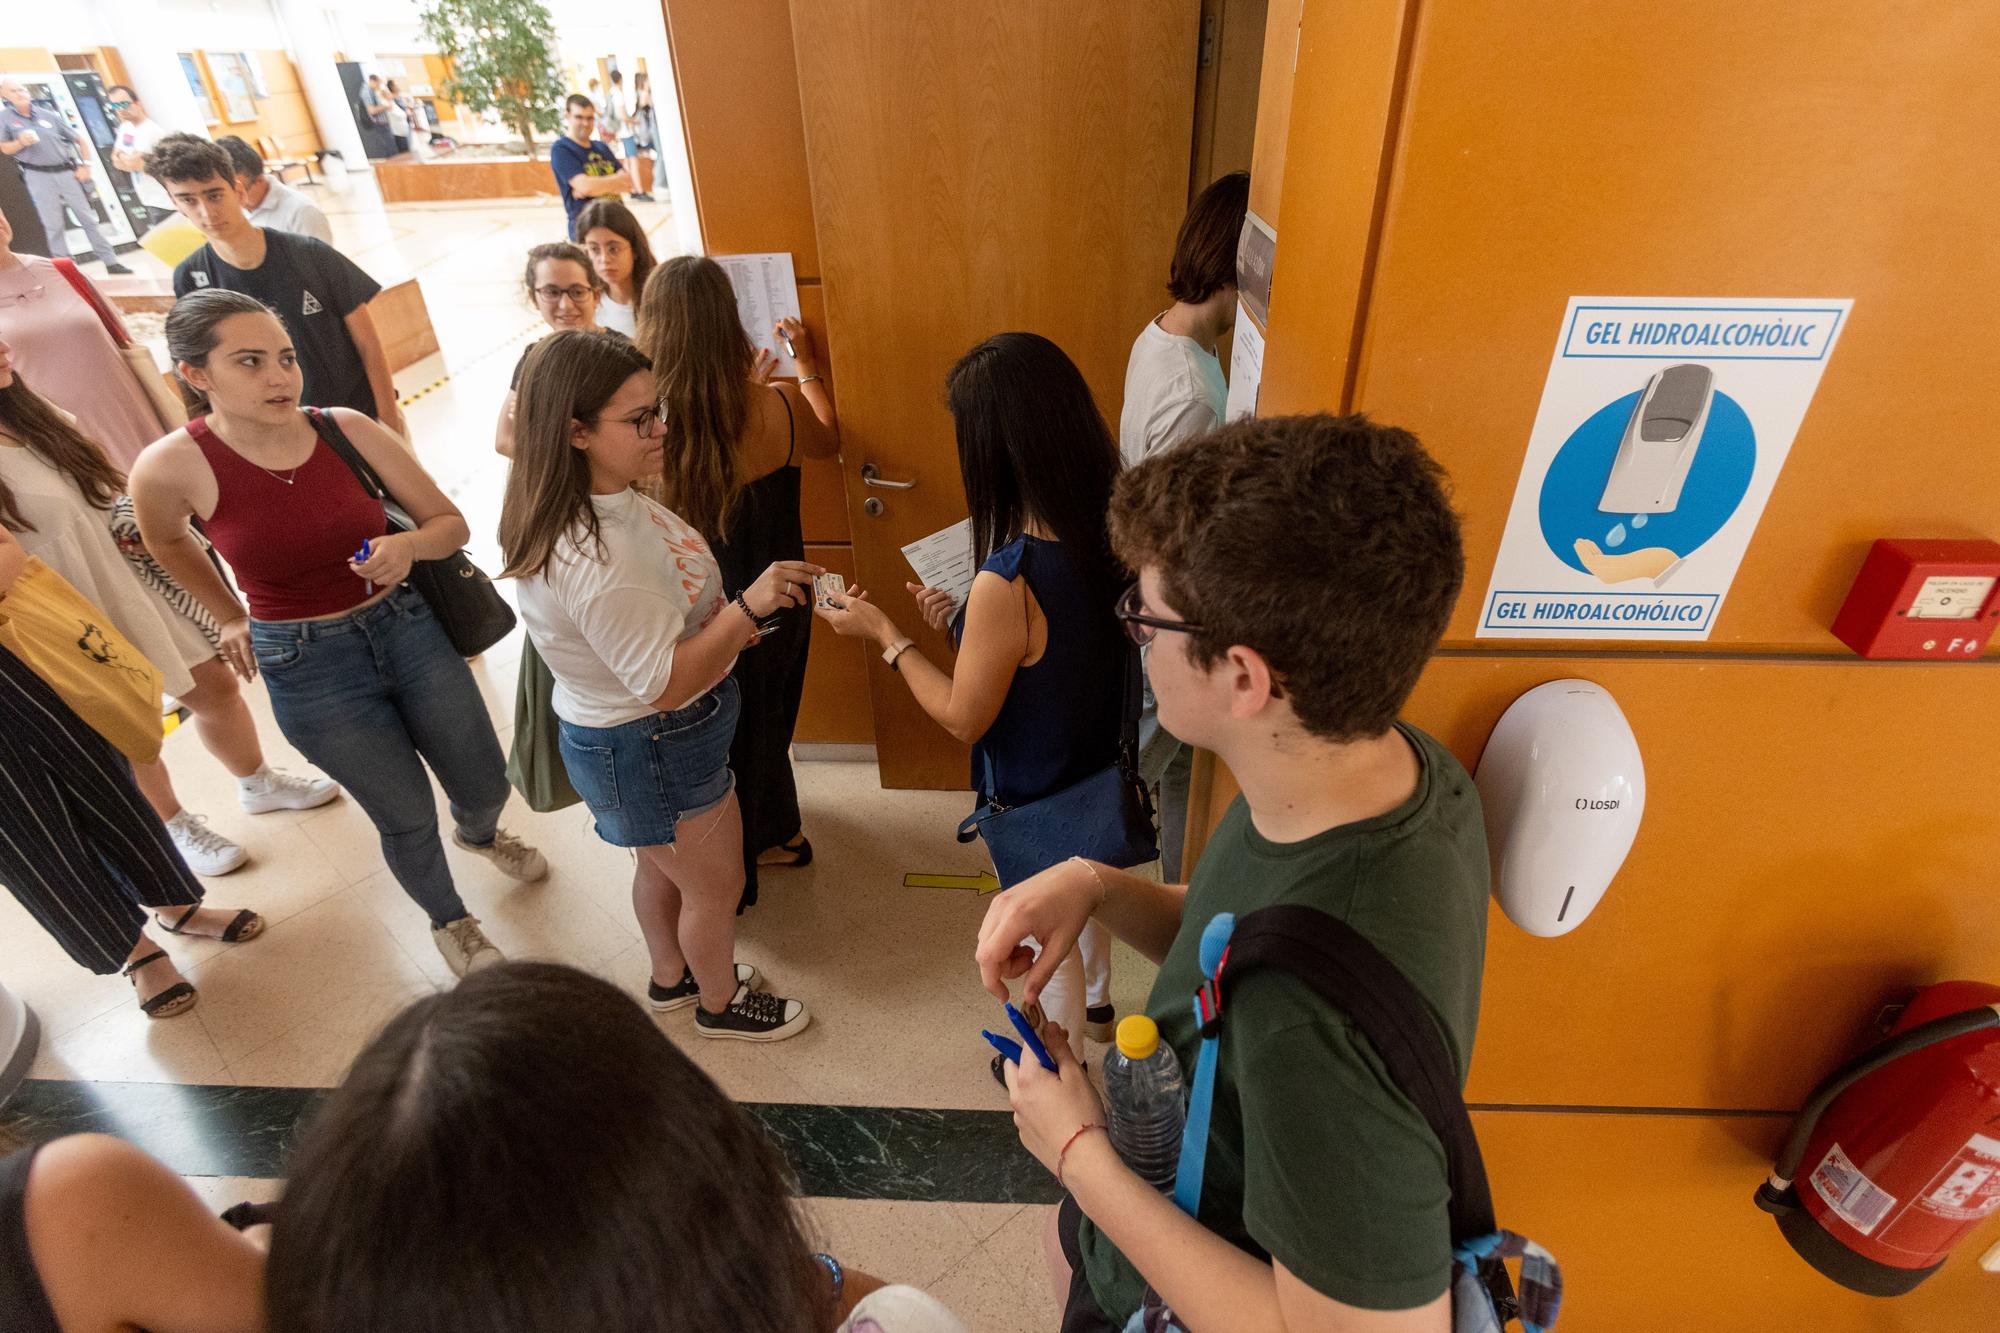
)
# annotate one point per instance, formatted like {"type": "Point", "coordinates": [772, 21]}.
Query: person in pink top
{"type": "Point", "coordinates": [61, 344]}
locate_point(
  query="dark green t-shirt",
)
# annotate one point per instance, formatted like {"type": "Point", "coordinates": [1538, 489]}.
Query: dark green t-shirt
{"type": "Point", "coordinates": [1315, 1159]}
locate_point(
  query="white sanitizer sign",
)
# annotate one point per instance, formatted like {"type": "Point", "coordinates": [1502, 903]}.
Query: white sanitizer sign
{"type": "Point", "coordinates": [1663, 427]}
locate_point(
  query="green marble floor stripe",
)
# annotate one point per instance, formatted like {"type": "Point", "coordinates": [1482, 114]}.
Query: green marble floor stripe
{"type": "Point", "coordinates": [845, 1152]}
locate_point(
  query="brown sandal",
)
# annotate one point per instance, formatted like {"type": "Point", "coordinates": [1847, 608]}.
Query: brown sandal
{"type": "Point", "coordinates": [245, 925]}
{"type": "Point", "coordinates": [175, 999]}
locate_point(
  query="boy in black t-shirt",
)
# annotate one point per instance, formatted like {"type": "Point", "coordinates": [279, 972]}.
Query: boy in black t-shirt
{"type": "Point", "coordinates": [321, 295]}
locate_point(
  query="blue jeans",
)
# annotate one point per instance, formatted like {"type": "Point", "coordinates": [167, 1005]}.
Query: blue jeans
{"type": "Point", "coordinates": [367, 699]}
{"type": "Point", "coordinates": [642, 778]}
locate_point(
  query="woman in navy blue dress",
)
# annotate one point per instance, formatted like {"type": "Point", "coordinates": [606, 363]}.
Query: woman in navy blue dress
{"type": "Point", "coordinates": [1038, 683]}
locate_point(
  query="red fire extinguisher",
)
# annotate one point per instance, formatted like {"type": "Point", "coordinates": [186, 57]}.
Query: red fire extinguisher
{"type": "Point", "coordinates": [1900, 1148]}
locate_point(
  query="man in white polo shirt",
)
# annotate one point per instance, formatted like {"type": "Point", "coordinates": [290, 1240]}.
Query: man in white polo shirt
{"type": "Point", "coordinates": [272, 204]}
{"type": "Point", "coordinates": [137, 133]}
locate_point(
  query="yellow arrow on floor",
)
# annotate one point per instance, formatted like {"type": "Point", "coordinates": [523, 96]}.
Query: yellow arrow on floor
{"type": "Point", "coordinates": [983, 882]}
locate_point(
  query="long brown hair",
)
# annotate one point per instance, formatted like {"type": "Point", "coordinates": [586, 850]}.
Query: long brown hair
{"type": "Point", "coordinates": [35, 422]}
{"type": "Point", "coordinates": [569, 377]}
{"type": "Point", "coordinates": [701, 359]}
{"type": "Point", "coordinates": [528, 1151]}
{"type": "Point", "coordinates": [613, 216]}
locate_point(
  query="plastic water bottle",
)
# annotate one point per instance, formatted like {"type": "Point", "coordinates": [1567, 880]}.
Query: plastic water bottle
{"type": "Point", "coordinates": [1146, 1101]}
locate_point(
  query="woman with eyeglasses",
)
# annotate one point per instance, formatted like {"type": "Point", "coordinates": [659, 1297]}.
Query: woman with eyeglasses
{"type": "Point", "coordinates": [625, 603]}
{"type": "Point", "coordinates": [565, 291]}
{"type": "Point", "coordinates": [1038, 685]}
{"type": "Point", "coordinates": [621, 257]}
{"type": "Point", "coordinates": [66, 349]}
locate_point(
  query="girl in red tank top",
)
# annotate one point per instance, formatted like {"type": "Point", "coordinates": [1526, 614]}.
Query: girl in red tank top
{"type": "Point", "coordinates": [361, 676]}
{"type": "Point", "coordinates": [289, 535]}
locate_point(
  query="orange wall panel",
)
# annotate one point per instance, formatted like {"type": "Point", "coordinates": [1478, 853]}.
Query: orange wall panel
{"type": "Point", "coordinates": [1790, 877]}
{"type": "Point", "coordinates": [1705, 148]}
{"type": "Point", "coordinates": [1274, 106]}
{"type": "Point", "coordinates": [739, 94]}
{"type": "Point", "coordinates": [1820, 834]}
{"type": "Point", "coordinates": [1651, 1220]}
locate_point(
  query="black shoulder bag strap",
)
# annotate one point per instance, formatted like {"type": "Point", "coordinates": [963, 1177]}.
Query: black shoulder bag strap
{"type": "Point", "coordinates": [1352, 975]}
{"type": "Point", "coordinates": [336, 439]}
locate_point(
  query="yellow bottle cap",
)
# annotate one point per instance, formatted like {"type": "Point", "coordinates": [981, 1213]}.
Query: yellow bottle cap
{"type": "Point", "coordinates": [1138, 1037]}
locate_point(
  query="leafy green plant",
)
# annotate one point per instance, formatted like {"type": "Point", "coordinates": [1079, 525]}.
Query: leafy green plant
{"type": "Point", "coordinates": [502, 55]}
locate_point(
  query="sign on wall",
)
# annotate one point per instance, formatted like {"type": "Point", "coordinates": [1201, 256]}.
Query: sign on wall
{"type": "Point", "coordinates": [1663, 426]}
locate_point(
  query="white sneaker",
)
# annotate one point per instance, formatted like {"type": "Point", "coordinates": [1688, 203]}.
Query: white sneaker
{"type": "Point", "coordinates": [508, 852]}
{"type": "Point", "coordinates": [205, 851]}
{"type": "Point", "coordinates": [465, 946]}
{"type": "Point", "coordinates": [274, 789]}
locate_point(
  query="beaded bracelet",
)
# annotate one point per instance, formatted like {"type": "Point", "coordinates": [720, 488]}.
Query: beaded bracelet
{"type": "Point", "coordinates": [832, 1266]}
{"type": "Point", "coordinates": [1062, 1158]}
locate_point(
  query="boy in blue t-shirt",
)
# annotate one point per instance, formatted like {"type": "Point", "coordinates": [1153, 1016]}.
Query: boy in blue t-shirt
{"type": "Point", "coordinates": [585, 168]}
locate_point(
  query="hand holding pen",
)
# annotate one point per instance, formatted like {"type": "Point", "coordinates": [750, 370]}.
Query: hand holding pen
{"type": "Point", "coordinates": [383, 562]}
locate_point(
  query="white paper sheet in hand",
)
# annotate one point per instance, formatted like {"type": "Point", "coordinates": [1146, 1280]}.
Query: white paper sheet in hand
{"type": "Point", "coordinates": [944, 560]}
{"type": "Point", "coordinates": [767, 291]}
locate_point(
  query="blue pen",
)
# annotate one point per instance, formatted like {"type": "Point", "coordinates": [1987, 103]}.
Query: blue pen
{"type": "Point", "coordinates": [1010, 1049]}
{"type": "Point", "coordinates": [360, 556]}
{"type": "Point", "coordinates": [1034, 1043]}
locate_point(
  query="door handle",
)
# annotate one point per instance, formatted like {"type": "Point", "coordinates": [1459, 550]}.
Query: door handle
{"type": "Point", "coordinates": [872, 476]}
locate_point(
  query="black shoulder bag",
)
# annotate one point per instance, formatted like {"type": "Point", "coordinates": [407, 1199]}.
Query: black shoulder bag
{"type": "Point", "coordinates": [472, 612]}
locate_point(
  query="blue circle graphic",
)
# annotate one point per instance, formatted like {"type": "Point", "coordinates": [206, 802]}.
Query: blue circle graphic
{"type": "Point", "coordinates": [1717, 481]}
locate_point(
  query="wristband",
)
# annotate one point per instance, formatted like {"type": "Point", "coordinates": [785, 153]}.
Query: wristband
{"type": "Point", "coordinates": [833, 1270]}
{"type": "Point", "coordinates": [743, 606]}
{"type": "Point", "coordinates": [894, 652]}
{"type": "Point", "coordinates": [1062, 1158]}
{"type": "Point", "coordinates": [1096, 878]}
{"type": "Point", "coordinates": [808, 379]}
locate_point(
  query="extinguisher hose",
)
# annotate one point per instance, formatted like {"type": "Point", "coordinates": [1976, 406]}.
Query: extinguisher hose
{"type": "Point", "coordinates": [1771, 1196]}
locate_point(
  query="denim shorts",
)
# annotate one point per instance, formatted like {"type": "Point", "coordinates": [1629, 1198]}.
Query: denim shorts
{"type": "Point", "coordinates": [641, 778]}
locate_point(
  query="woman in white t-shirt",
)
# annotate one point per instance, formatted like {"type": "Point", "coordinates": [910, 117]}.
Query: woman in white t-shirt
{"type": "Point", "coordinates": [625, 604]}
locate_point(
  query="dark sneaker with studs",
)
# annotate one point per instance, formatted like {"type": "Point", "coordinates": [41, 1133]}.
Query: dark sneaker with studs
{"type": "Point", "coordinates": [684, 992]}
{"type": "Point", "coordinates": [754, 1015]}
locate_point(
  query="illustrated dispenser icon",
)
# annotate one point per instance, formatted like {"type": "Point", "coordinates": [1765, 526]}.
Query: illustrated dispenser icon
{"type": "Point", "coordinates": [1660, 442]}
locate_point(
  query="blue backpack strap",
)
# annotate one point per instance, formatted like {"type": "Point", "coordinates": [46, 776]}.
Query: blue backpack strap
{"type": "Point", "coordinates": [1201, 1096]}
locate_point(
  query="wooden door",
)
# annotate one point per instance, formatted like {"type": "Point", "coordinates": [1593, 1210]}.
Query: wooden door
{"type": "Point", "coordinates": [976, 169]}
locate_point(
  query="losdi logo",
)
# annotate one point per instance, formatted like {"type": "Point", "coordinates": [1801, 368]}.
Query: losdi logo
{"type": "Point", "coordinates": [1584, 803]}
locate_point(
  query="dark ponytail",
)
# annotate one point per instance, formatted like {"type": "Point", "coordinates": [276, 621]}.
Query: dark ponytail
{"type": "Point", "coordinates": [192, 332]}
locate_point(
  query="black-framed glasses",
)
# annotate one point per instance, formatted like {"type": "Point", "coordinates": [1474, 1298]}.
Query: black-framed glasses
{"type": "Point", "coordinates": [551, 295]}
{"type": "Point", "coordinates": [646, 421]}
{"type": "Point", "coordinates": [1142, 628]}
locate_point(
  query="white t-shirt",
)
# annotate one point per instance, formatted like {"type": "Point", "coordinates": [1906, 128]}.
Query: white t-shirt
{"type": "Point", "coordinates": [902, 1310]}
{"type": "Point", "coordinates": [140, 139]}
{"type": "Point", "coordinates": [285, 209]}
{"type": "Point", "coordinates": [607, 625]}
{"type": "Point", "coordinates": [619, 318]}
{"type": "Point", "coordinates": [1173, 390]}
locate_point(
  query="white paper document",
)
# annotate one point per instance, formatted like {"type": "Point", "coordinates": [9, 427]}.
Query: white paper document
{"type": "Point", "coordinates": [767, 290]}
{"type": "Point", "coordinates": [944, 560]}
{"type": "Point", "coordinates": [1246, 367]}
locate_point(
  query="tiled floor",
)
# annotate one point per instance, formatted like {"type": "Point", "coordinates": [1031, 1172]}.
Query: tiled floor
{"type": "Point", "coordinates": [886, 968]}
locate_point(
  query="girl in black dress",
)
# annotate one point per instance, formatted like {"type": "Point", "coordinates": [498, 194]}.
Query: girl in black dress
{"type": "Point", "coordinates": [733, 445]}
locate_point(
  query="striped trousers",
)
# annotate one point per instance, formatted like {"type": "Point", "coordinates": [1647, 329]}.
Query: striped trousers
{"type": "Point", "coordinates": [79, 846]}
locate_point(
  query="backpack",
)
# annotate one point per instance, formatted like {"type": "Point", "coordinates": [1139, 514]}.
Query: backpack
{"type": "Point", "coordinates": [1350, 973]}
